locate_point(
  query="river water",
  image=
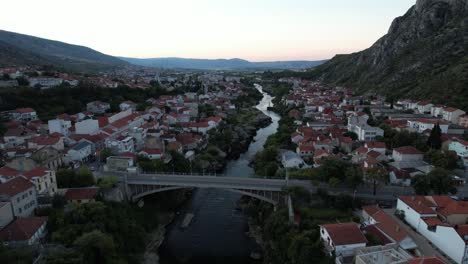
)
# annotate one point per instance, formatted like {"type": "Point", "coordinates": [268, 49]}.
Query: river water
{"type": "Point", "coordinates": [217, 231]}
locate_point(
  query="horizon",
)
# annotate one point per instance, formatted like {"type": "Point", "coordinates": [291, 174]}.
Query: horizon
{"type": "Point", "coordinates": [262, 31]}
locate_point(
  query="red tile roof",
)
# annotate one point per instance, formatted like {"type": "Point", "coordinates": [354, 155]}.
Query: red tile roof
{"type": "Point", "coordinates": [44, 141]}
{"type": "Point", "coordinates": [22, 229]}
{"type": "Point", "coordinates": [345, 233]}
{"type": "Point", "coordinates": [81, 193]}
{"type": "Point", "coordinates": [8, 172]}
{"type": "Point", "coordinates": [15, 186]}
{"type": "Point", "coordinates": [409, 150]}
{"type": "Point", "coordinates": [152, 151]}
{"type": "Point", "coordinates": [427, 260]}
{"type": "Point", "coordinates": [419, 203]}
{"type": "Point", "coordinates": [36, 172]}
{"type": "Point", "coordinates": [376, 145]}
{"type": "Point", "coordinates": [25, 110]}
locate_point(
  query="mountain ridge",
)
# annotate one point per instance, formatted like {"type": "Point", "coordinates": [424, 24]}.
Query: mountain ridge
{"type": "Point", "coordinates": [21, 49]}
{"type": "Point", "coordinates": [423, 56]}
{"type": "Point", "coordinates": [213, 64]}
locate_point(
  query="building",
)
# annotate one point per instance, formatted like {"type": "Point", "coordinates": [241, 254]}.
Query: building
{"type": "Point", "coordinates": [87, 127]}
{"type": "Point", "coordinates": [24, 231]}
{"type": "Point", "coordinates": [81, 195]}
{"type": "Point", "coordinates": [127, 105]}
{"type": "Point", "coordinates": [291, 159]}
{"type": "Point", "coordinates": [343, 239]}
{"type": "Point", "coordinates": [46, 141]}
{"type": "Point", "coordinates": [44, 82]}
{"type": "Point", "coordinates": [441, 220]}
{"type": "Point", "coordinates": [21, 194]}
{"type": "Point", "coordinates": [151, 153]}
{"type": "Point", "coordinates": [44, 180]}
{"type": "Point", "coordinates": [460, 147]}
{"type": "Point", "coordinates": [407, 153]}
{"type": "Point", "coordinates": [357, 123]}
{"type": "Point", "coordinates": [422, 125]}
{"type": "Point", "coordinates": [388, 254]}
{"type": "Point", "coordinates": [427, 260]}
{"type": "Point", "coordinates": [463, 121]}
{"type": "Point", "coordinates": [451, 114]}
{"type": "Point", "coordinates": [82, 152]}
{"type": "Point", "coordinates": [6, 214]}
{"type": "Point", "coordinates": [24, 114]}
{"type": "Point", "coordinates": [384, 226]}
{"type": "Point", "coordinates": [121, 144]}
{"type": "Point", "coordinates": [97, 107]}
{"type": "Point", "coordinates": [59, 126]}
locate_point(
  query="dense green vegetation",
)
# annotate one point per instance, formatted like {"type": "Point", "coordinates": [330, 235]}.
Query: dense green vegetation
{"type": "Point", "coordinates": [69, 178]}
{"type": "Point", "coordinates": [15, 256]}
{"type": "Point", "coordinates": [65, 99]}
{"type": "Point", "coordinates": [439, 182]}
{"type": "Point", "coordinates": [396, 139]}
{"type": "Point", "coordinates": [285, 242]}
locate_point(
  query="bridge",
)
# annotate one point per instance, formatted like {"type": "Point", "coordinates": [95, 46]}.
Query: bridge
{"type": "Point", "coordinates": [268, 190]}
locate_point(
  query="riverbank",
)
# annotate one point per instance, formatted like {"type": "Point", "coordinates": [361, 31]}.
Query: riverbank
{"type": "Point", "coordinates": [151, 255]}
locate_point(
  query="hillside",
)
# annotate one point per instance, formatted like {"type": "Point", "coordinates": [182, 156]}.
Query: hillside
{"type": "Point", "coordinates": [219, 64]}
{"type": "Point", "coordinates": [19, 49]}
{"type": "Point", "coordinates": [423, 56]}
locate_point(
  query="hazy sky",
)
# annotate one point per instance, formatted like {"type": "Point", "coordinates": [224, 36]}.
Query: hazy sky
{"type": "Point", "coordinates": [250, 29]}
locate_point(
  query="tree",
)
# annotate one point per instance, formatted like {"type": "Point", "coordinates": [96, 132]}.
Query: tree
{"type": "Point", "coordinates": [376, 176]}
{"type": "Point", "coordinates": [96, 247]}
{"type": "Point", "coordinates": [421, 184]}
{"type": "Point", "coordinates": [84, 177]}
{"type": "Point", "coordinates": [441, 181]}
{"type": "Point", "coordinates": [438, 181]}
{"type": "Point", "coordinates": [354, 176]}
{"type": "Point", "coordinates": [434, 141]}
{"type": "Point", "coordinates": [352, 135]}
{"type": "Point", "coordinates": [105, 153]}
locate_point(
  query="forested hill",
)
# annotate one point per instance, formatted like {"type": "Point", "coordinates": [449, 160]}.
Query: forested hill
{"type": "Point", "coordinates": [18, 49]}
{"type": "Point", "coordinates": [423, 56]}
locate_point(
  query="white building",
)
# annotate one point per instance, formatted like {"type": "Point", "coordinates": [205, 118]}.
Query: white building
{"type": "Point", "coordinates": [81, 152]}
{"type": "Point", "coordinates": [22, 195]}
{"type": "Point", "coordinates": [45, 82]}
{"type": "Point", "coordinates": [451, 114]}
{"type": "Point", "coordinates": [59, 126]}
{"type": "Point", "coordinates": [357, 123]}
{"type": "Point", "coordinates": [87, 127]}
{"type": "Point", "coordinates": [343, 239]}
{"type": "Point", "coordinates": [24, 231]}
{"type": "Point", "coordinates": [291, 159]}
{"type": "Point", "coordinates": [407, 153]}
{"type": "Point", "coordinates": [441, 220]}
{"type": "Point", "coordinates": [421, 125]}
{"type": "Point", "coordinates": [24, 114]}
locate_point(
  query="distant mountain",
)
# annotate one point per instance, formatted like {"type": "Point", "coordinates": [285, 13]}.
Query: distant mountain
{"type": "Point", "coordinates": [19, 49]}
{"type": "Point", "coordinates": [219, 64]}
{"type": "Point", "coordinates": [424, 55]}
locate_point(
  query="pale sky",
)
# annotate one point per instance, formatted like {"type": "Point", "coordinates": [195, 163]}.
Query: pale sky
{"type": "Point", "coordinates": [257, 30]}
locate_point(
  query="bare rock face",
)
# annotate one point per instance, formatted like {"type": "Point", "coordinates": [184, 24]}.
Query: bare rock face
{"type": "Point", "coordinates": [422, 55]}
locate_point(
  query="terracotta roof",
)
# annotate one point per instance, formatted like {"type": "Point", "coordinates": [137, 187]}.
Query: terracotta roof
{"type": "Point", "coordinates": [433, 221]}
{"type": "Point", "coordinates": [15, 186]}
{"type": "Point", "coordinates": [25, 110]}
{"type": "Point", "coordinates": [36, 172]}
{"type": "Point", "coordinates": [8, 172]}
{"type": "Point", "coordinates": [81, 193]}
{"type": "Point", "coordinates": [22, 228]}
{"type": "Point", "coordinates": [376, 145]}
{"type": "Point", "coordinates": [345, 233]}
{"type": "Point", "coordinates": [427, 260]}
{"type": "Point", "coordinates": [389, 226]}
{"type": "Point", "coordinates": [43, 141]}
{"type": "Point", "coordinates": [419, 203]}
{"type": "Point", "coordinates": [453, 208]}
{"type": "Point", "coordinates": [152, 151]}
{"type": "Point", "coordinates": [371, 209]}
{"type": "Point", "coordinates": [409, 150]}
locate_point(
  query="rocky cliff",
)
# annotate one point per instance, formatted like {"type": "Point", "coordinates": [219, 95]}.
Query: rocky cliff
{"type": "Point", "coordinates": [423, 55]}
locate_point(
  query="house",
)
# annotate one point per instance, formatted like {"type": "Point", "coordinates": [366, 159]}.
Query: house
{"type": "Point", "coordinates": [460, 147]}
{"type": "Point", "coordinates": [305, 150]}
{"type": "Point", "coordinates": [24, 114]}
{"type": "Point", "coordinates": [383, 225]}
{"type": "Point", "coordinates": [342, 239]}
{"type": "Point", "coordinates": [21, 194]}
{"type": "Point", "coordinates": [127, 105]}
{"type": "Point", "coordinates": [451, 114]}
{"type": "Point", "coordinates": [82, 152]}
{"type": "Point", "coordinates": [44, 82]}
{"type": "Point", "coordinates": [97, 107]}
{"type": "Point", "coordinates": [39, 142]}
{"type": "Point", "coordinates": [424, 107]}
{"type": "Point", "coordinates": [357, 123]}
{"type": "Point", "coordinates": [379, 147]}
{"type": "Point", "coordinates": [59, 126]}
{"type": "Point", "coordinates": [121, 144]}
{"type": "Point", "coordinates": [388, 254]}
{"type": "Point", "coordinates": [441, 220]}
{"type": "Point", "coordinates": [81, 195]}
{"type": "Point", "coordinates": [422, 125]}
{"type": "Point", "coordinates": [291, 159]}
{"type": "Point", "coordinates": [463, 121]}
{"type": "Point", "coordinates": [151, 153]}
{"type": "Point", "coordinates": [87, 127]}
{"type": "Point", "coordinates": [44, 180]}
{"type": "Point", "coordinates": [24, 231]}
{"type": "Point", "coordinates": [436, 110]}
{"type": "Point", "coordinates": [407, 153]}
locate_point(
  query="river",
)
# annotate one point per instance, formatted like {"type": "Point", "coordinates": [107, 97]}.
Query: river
{"type": "Point", "coordinates": [217, 231]}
